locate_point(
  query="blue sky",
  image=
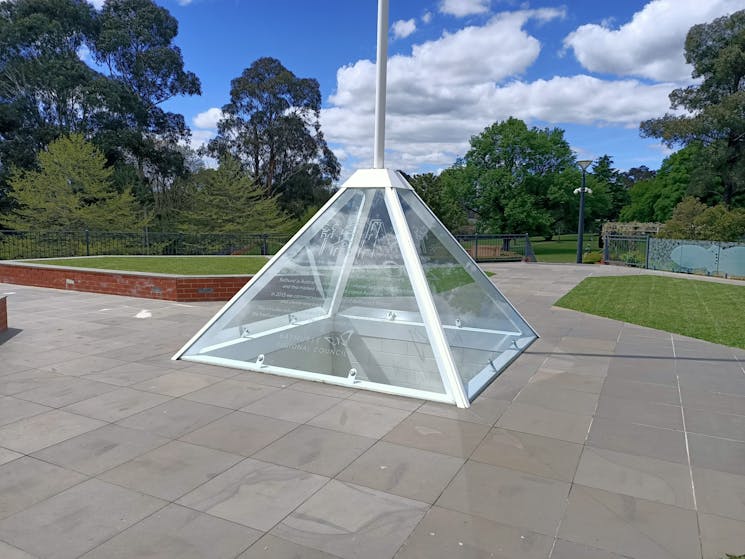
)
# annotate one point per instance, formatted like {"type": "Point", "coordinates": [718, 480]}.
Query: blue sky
{"type": "Point", "coordinates": [595, 69]}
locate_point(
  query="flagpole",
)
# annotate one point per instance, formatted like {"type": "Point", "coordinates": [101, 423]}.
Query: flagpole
{"type": "Point", "coordinates": [380, 84]}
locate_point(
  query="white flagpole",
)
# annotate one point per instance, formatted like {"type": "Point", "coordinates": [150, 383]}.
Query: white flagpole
{"type": "Point", "coordinates": [380, 82]}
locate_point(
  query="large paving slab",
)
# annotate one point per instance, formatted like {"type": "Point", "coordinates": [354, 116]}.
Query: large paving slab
{"type": "Point", "coordinates": [604, 440]}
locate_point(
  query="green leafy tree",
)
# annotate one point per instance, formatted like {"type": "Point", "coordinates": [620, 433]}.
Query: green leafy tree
{"type": "Point", "coordinates": [72, 190]}
{"type": "Point", "coordinates": [227, 200]}
{"type": "Point", "coordinates": [615, 186]}
{"type": "Point", "coordinates": [517, 179]}
{"type": "Point", "coordinates": [653, 199]}
{"type": "Point", "coordinates": [305, 191]}
{"type": "Point", "coordinates": [718, 223]}
{"type": "Point", "coordinates": [442, 200]}
{"type": "Point", "coordinates": [43, 82]}
{"type": "Point", "coordinates": [47, 91]}
{"type": "Point", "coordinates": [714, 115]}
{"type": "Point", "coordinates": [271, 125]}
{"type": "Point", "coordinates": [636, 174]}
{"type": "Point", "coordinates": [134, 42]}
{"type": "Point", "coordinates": [693, 219]}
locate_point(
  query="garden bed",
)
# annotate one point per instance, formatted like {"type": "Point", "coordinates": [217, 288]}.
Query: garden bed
{"type": "Point", "coordinates": [170, 287]}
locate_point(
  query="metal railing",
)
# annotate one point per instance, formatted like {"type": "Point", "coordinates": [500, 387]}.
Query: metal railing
{"type": "Point", "coordinates": [626, 250]}
{"type": "Point", "coordinates": [57, 244]}
{"type": "Point", "coordinates": [60, 244]}
{"type": "Point", "coordinates": [498, 248]}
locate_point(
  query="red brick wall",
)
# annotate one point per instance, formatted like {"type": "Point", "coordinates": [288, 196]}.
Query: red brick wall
{"type": "Point", "coordinates": [171, 288]}
{"type": "Point", "coordinates": [3, 314]}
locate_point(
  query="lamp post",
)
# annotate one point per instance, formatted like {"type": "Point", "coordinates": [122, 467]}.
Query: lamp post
{"type": "Point", "coordinates": [584, 164]}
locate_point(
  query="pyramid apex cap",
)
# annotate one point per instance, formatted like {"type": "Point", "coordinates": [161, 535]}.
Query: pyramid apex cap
{"type": "Point", "coordinates": [376, 178]}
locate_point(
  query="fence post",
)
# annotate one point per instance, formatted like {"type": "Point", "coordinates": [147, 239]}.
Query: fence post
{"type": "Point", "coordinates": [476, 247]}
{"type": "Point", "coordinates": [606, 249]}
{"type": "Point", "coordinates": [529, 254]}
{"type": "Point", "coordinates": [646, 255]}
{"type": "Point", "coordinates": [87, 242]}
{"type": "Point", "coordinates": [264, 245]}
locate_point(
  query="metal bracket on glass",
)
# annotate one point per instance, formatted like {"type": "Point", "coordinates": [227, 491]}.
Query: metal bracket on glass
{"type": "Point", "coordinates": [260, 360]}
{"type": "Point", "coordinates": [352, 376]}
{"type": "Point", "coordinates": [391, 315]}
{"type": "Point", "coordinates": [458, 323]}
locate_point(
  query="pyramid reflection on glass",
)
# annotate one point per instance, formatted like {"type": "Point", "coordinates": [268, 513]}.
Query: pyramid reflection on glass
{"type": "Point", "coordinates": [372, 293]}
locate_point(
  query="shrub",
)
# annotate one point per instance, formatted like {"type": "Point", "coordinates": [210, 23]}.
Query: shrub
{"type": "Point", "coordinates": [694, 220]}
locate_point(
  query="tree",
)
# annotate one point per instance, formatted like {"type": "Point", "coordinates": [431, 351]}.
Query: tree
{"type": "Point", "coordinates": [614, 184]}
{"type": "Point", "coordinates": [653, 199]}
{"type": "Point", "coordinates": [135, 43]}
{"type": "Point", "coordinates": [72, 190]}
{"type": "Point", "coordinates": [636, 174]}
{"type": "Point", "coordinates": [226, 200]}
{"type": "Point", "coordinates": [271, 125]}
{"type": "Point", "coordinates": [715, 117]}
{"type": "Point", "coordinates": [43, 82]}
{"type": "Point", "coordinates": [515, 179]}
{"type": "Point", "coordinates": [692, 219]}
{"type": "Point", "coordinates": [305, 191]}
{"type": "Point", "coordinates": [437, 193]}
{"type": "Point", "coordinates": [48, 91]}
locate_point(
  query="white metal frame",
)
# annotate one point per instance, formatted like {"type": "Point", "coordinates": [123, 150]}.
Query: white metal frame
{"type": "Point", "coordinates": [451, 380]}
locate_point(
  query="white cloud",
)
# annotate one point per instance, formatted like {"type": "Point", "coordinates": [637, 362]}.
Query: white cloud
{"type": "Point", "coordinates": [426, 17]}
{"type": "Point", "coordinates": [651, 44]}
{"type": "Point", "coordinates": [664, 149]}
{"type": "Point", "coordinates": [200, 137]}
{"type": "Point", "coordinates": [84, 54]}
{"type": "Point", "coordinates": [205, 128]}
{"type": "Point", "coordinates": [208, 118]}
{"type": "Point", "coordinates": [98, 4]}
{"type": "Point", "coordinates": [449, 89]}
{"type": "Point", "coordinates": [436, 72]}
{"type": "Point", "coordinates": [184, 2]}
{"type": "Point", "coordinates": [462, 8]}
{"type": "Point", "coordinates": [403, 28]}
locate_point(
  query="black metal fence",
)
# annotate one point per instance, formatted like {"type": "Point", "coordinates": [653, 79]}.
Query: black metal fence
{"type": "Point", "coordinates": [498, 248]}
{"type": "Point", "coordinates": [626, 250]}
{"type": "Point", "coordinates": [57, 244]}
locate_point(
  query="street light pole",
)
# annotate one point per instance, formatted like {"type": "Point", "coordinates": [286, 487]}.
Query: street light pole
{"type": "Point", "coordinates": [584, 164]}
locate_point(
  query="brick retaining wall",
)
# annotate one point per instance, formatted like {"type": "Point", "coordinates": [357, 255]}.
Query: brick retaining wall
{"type": "Point", "coordinates": [132, 284]}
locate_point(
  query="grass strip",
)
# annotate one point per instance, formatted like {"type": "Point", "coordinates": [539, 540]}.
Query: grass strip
{"type": "Point", "coordinates": [700, 309]}
{"type": "Point", "coordinates": [181, 265]}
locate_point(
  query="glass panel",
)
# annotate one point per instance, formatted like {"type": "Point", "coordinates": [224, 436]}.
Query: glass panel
{"type": "Point", "coordinates": [338, 302]}
{"type": "Point", "coordinates": [298, 287]}
{"type": "Point", "coordinates": [484, 331]}
{"type": "Point", "coordinates": [390, 343]}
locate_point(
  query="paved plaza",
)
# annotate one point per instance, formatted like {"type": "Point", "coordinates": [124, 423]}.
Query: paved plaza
{"type": "Point", "coordinates": [604, 440]}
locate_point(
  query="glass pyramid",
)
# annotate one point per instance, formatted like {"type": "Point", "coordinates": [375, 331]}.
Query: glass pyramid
{"type": "Point", "coordinates": [372, 293]}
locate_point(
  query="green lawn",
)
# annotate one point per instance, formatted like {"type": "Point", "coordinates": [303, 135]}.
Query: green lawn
{"type": "Point", "coordinates": [699, 309]}
{"type": "Point", "coordinates": [563, 249]}
{"type": "Point", "coordinates": [182, 265]}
